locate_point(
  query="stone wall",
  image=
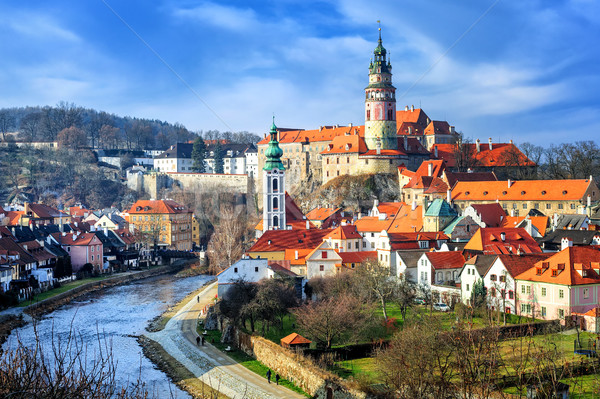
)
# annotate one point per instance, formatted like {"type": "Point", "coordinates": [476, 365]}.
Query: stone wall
{"type": "Point", "coordinates": [152, 183]}
{"type": "Point", "coordinates": [297, 369]}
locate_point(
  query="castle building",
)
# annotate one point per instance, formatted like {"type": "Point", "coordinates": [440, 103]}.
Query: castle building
{"type": "Point", "coordinates": [273, 185]}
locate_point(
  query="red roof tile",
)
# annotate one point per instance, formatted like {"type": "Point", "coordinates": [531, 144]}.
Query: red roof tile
{"type": "Point", "coordinates": [348, 232]}
{"type": "Point", "coordinates": [497, 240]}
{"type": "Point", "coordinates": [157, 206]}
{"type": "Point", "coordinates": [280, 240]}
{"type": "Point", "coordinates": [522, 190]}
{"type": "Point", "coordinates": [446, 259]}
{"type": "Point", "coordinates": [486, 157]}
{"type": "Point", "coordinates": [491, 214]}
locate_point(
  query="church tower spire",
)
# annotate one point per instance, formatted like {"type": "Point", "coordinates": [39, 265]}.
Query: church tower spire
{"type": "Point", "coordinates": [380, 102]}
{"type": "Point", "coordinates": [273, 185]}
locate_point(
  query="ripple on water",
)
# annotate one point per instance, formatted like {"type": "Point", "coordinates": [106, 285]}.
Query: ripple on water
{"type": "Point", "coordinates": [118, 314]}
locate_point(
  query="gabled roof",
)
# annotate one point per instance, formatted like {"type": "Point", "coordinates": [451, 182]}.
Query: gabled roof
{"type": "Point", "coordinates": [411, 115]}
{"type": "Point", "coordinates": [9, 245]}
{"type": "Point", "coordinates": [372, 224]}
{"type": "Point", "coordinates": [403, 241]}
{"type": "Point", "coordinates": [482, 263]}
{"type": "Point", "coordinates": [517, 264]}
{"type": "Point", "coordinates": [347, 232]}
{"type": "Point", "coordinates": [290, 255]}
{"type": "Point", "coordinates": [522, 190]}
{"type": "Point", "coordinates": [453, 177]}
{"type": "Point", "coordinates": [280, 240]}
{"type": "Point", "coordinates": [572, 222]}
{"type": "Point", "coordinates": [179, 150]}
{"type": "Point", "coordinates": [410, 258]}
{"type": "Point", "coordinates": [437, 170]}
{"type": "Point", "coordinates": [389, 208]}
{"type": "Point", "coordinates": [295, 339]}
{"type": "Point", "coordinates": [324, 133]}
{"type": "Point", "coordinates": [539, 222]}
{"type": "Point", "coordinates": [14, 217]}
{"type": "Point", "coordinates": [74, 239]}
{"type": "Point", "coordinates": [157, 207]}
{"type": "Point", "coordinates": [346, 145]}
{"type": "Point", "coordinates": [407, 220]}
{"type": "Point", "coordinates": [125, 236]}
{"type": "Point", "coordinates": [497, 156]}
{"type": "Point", "coordinates": [446, 259]}
{"type": "Point", "coordinates": [413, 146]}
{"type": "Point", "coordinates": [357, 257]}
{"type": "Point", "coordinates": [579, 237]}
{"type": "Point", "coordinates": [565, 267]}
{"type": "Point", "coordinates": [437, 127]}
{"type": "Point", "coordinates": [497, 240]}
{"type": "Point", "coordinates": [321, 214]}
{"type": "Point", "coordinates": [45, 211]}
{"type": "Point", "coordinates": [491, 214]}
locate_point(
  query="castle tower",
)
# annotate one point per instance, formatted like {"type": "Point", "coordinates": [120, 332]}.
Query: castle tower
{"type": "Point", "coordinates": [380, 102]}
{"type": "Point", "coordinates": [273, 185]}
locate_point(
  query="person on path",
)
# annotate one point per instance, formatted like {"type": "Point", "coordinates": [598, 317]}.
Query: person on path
{"type": "Point", "coordinates": [198, 298]}
{"type": "Point", "coordinates": [277, 379]}
{"type": "Point", "coordinates": [198, 340]}
{"type": "Point", "coordinates": [203, 340]}
{"type": "Point", "coordinates": [269, 375]}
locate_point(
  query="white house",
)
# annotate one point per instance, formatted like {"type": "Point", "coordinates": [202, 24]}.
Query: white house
{"type": "Point", "coordinates": [440, 268]}
{"type": "Point", "coordinates": [406, 263]}
{"type": "Point", "coordinates": [322, 261]}
{"type": "Point", "coordinates": [474, 270]}
{"type": "Point", "coordinates": [247, 269]}
{"type": "Point", "coordinates": [6, 273]}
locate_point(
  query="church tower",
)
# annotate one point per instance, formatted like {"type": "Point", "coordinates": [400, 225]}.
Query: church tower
{"type": "Point", "coordinates": [380, 103]}
{"type": "Point", "coordinates": [273, 185]}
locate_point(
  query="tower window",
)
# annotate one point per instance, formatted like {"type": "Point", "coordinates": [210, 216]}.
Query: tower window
{"type": "Point", "coordinates": [275, 221]}
{"type": "Point", "coordinates": [275, 203]}
{"type": "Point", "coordinates": [275, 185]}
{"type": "Point", "coordinates": [368, 114]}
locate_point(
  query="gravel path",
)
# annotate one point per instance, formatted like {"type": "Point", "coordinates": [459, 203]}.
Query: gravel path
{"type": "Point", "coordinates": [207, 363]}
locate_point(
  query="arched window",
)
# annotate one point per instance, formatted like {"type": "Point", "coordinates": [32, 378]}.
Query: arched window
{"type": "Point", "coordinates": [275, 185]}
{"type": "Point", "coordinates": [275, 221]}
{"type": "Point", "coordinates": [275, 203]}
{"type": "Point", "coordinates": [368, 114]}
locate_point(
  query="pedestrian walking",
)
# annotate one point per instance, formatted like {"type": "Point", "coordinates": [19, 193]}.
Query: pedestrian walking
{"type": "Point", "coordinates": [202, 340]}
{"type": "Point", "coordinates": [198, 340]}
{"type": "Point", "coordinates": [198, 298]}
{"type": "Point", "coordinates": [277, 379]}
{"type": "Point", "coordinates": [269, 375]}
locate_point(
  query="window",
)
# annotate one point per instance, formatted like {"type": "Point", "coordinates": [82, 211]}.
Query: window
{"type": "Point", "coordinates": [321, 268]}
{"type": "Point", "coordinates": [572, 206]}
{"type": "Point", "coordinates": [92, 248]}
{"type": "Point", "coordinates": [372, 245]}
{"type": "Point", "coordinates": [561, 294]}
{"type": "Point", "coordinates": [543, 291]}
{"type": "Point", "coordinates": [586, 292]}
{"type": "Point", "coordinates": [525, 205]}
{"type": "Point", "coordinates": [502, 278]}
{"type": "Point", "coordinates": [511, 294]}
{"type": "Point", "coordinates": [548, 206]}
{"type": "Point", "coordinates": [522, 289]}
{"type": "Point", "coordinates": [492, 277]}
{"type": "Point", "coordinates": [256, 269]}
{"type": "Point", "coordinates": [324, 254]}
{"type": "Point", "coordinates": [536, 206]}
{"type": "Point", "coordinates": [467, 287]}
{"type": "Point", "coordinates": [235, 269]}
{"type": "Point", "coordinates": [355, 245]}
{"type": "Point", "coordinates": [560, 206]}
{"type": "Point", "coordinates": [275, 185]}
{"type": "Point", "coordinates": [364, 244]}
{"type": "Point", "coordinates": [543, 311]}
{"type": "Point", "coordinates": [561, 313]}
{"type": "Point", "coordinates": [275, 203]}
{"type": "Point", "coordinates": [503, 293]}
{"type": "Point", "coordinates": [423, 244]}
{"type": "Point", "coordinates": [529, 289]}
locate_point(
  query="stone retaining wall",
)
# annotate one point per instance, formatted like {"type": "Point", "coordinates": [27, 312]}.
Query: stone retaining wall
{"type": "Point", "coordinates": [295, 367]}
{"type": "Point", "coordinates": [50, 304]}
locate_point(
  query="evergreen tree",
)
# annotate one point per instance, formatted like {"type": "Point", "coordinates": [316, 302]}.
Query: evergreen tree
{"type": "Point", "coordinates": [478, 294]}
{"type": "Point", "coordinates": [218, 157]}
{"type": "Point", "coordinates": [198, 155]}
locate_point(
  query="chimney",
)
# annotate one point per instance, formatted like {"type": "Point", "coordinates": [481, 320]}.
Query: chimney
{"type": "Point", "coordinates": [414, 205]}
{"type": "Point", "coordinates": [449, 196]}
{"type": "Point", "coordinates": [307, 226]}
{"type": "Point", "coordinates": [565, 243]}
{"type": "Point", "coordinates": [296, 255]}
{"type": "Point", "coordinates": [512, 213]}
{"type": "Point", "coordinates": [74, 237]}
{"type": "Point", "coordinates": [106, 231]}
{"type": "Point", "coordinates": [503, 236]}
{"type": "Point", "coordinates": [435, 151]}
{"type": "Point", "coordinates": [510, 141]}
{"type": "Point", "coordinates": [412, 108]}
{"type": "Point", "coordinates": [452, 130]}
{"type": "Point", "coordinates": [406, 107]}
{"type": "Point", "coordinates": [490, 143]}
{"type": "Point", "coordinates": [62, 233]}
{"type": "Point", "coordinates": [410, 130]}
{"type": "Point", "coordinates": [589, 201]}
{"type": "Point", "coordinates": [349, 124]}
{"type": "Point", "coordinates": [378, 146]}
{"type": "Point", "coordinates": [429, 169]}
{"type": "Point", "coordinates": [478, 145]}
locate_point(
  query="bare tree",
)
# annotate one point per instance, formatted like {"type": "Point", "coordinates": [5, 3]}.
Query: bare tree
{"type": "Point", "coordinates": [376, 279]}
{"type": "Point", "coordinates": [227, 243]}
{"type": "Point", "coordinates": [30, 126]}
{"type": "Point", "coordinates": [7, 122]}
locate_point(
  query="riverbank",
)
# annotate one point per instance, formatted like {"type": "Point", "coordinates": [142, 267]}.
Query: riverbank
{"type": "Point", "coordinates": [50, 304]}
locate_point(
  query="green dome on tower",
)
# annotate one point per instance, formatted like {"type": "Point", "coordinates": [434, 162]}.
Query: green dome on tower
{"type": "Point", "coordinates": [273, 153]}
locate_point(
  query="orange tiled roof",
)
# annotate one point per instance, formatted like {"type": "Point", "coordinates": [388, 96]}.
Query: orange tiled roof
{"type": "Point", "coordinates": [565, 266]}
{"type": "Point", "coordinates": [389, 208]}
{"type": "Point", "coordinates": [157, 206]}
{"type": "Point", "coordinates": [347, 232]}
{"type": "Point", "coordinates": [325, 133]}
{"type": "Point", "coordinates": [540, 222]}
{"type": "Point", "coordinates": [409, 128]}
{"type": "Point", "coordinates": [346, 145]}
{"type": "Point", "coordinates": [521, 190]}
{"type": "Point", "coordinates": [485, 157]}
{"type": "Point", "coordinates": [407, 220]}
{"type": "Point", "coordinates": [489, 241]}
{"type": "Point", "coordinates": [81, 239]}
{"type": "Point", "coordinates": [437, 167]}
{"type": "Point", "coordinates": [290, 255]}
{"type": "Point", "coordinates": [295, 339]}
{"type": "Point", "coordinates": [321, 214]}
{"type": "Point", "coordinates": [14, 217]}
{"type": "Point", "coordinates": [372, 224]}
{"type": "Point", "coordinates": [517, 264]}
{"type": "Point", "coordinates": [408, 240]}
{"type": "Point", "coordinates": [410, 115]}
{"type": "Point", "coordinates": [437, 127]}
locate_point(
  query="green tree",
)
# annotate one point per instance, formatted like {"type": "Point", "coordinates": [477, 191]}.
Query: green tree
{"type": "Point", "coordinates": [479, 293]}
{"type": "Point", "coordinates": [198, 155]}
{"type": "Point", "coordinates": [218, 157]}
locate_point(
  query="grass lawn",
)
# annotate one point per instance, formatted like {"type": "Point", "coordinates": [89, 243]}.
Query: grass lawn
{"type": "Point", "coordinates": [582, 387]}
{"type": "Point", "coordinates": [357, 368]}
{"type": "Point", "coordinates": [275, 333]}
{"type": "Point", "coordinates": [61, 289]}
{"type": "Point", "coordinates": [214, 337]}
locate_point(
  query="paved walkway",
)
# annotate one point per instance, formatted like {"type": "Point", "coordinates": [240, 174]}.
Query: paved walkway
{"type": "Point", "coordinates": [210, 365]}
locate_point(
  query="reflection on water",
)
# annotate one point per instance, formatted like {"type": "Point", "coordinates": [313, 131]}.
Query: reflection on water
{"type": "Point", "coordinates": [118, 314]}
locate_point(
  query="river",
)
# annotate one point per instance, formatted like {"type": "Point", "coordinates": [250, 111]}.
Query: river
{"type": "Point", "coordinates": [118, 314]}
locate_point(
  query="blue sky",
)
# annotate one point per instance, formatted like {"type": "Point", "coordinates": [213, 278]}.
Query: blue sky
{"type": "Point", "coordinates": [527, 70]}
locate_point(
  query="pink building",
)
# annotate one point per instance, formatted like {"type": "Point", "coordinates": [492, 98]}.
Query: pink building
{"type": "Point", "coordinates": [567, 282]}
{"type": "Point", "coordinates": [83, 248]}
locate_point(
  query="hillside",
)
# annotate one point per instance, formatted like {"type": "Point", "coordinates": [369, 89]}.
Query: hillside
{"type": "Point", "coordinates": [350, 192]}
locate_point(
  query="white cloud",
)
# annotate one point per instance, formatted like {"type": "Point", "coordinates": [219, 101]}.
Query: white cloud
{"type": "Point", "coordinates": [218, 15]}
{"type": "Point", "coordinates": [40, 27]}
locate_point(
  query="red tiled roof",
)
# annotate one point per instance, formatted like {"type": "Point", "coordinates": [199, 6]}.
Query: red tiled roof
{"type": "Point", "coordinates": [357, 257]}
{"type": "Point", "coordinates": [45, 211]}
{"type": "Point", "coordinates": [295, 339]}
{"type": "Point", "coordinates": [491, 214]}
{"type": "Point", "coordinates": [517, 264]}
{"type": "Point", "coordinates": [14, 217]}
{"type": "Point", "coordinates": [81, 239]}
{"type": "Point", "coordinates": [372, 224]}
{"type": "Point", "coordinates": [540, 222]}
{"type": "Point", "coordinates": [411, 240]}
{"type": "Point", "coordinates": [453, 177]}
{"type": "Point", "coordinates": [564, 267]}
{"type": "Point", "coordinates": [157, 206]}
{"type": "Point", "coordinates": [280, 240]}
{"type": "Point", "coordinates": [497, 156]}
{"type": "Point", "coordinates": [346, 145]}
{"type": "Point", "coordinates": [522, 190]}
{"type": "Point", "coordinates": [389, 208]}
{"type": "Point", "coordinates": [437, 170]}
{"type": "Point", "coordinates": [437, 127]}
{"type": "Point", "coordinates": [326, 133]}
{"type": "Point", "coordinates": [446, 259]}
{"type": "Point", "coordinates": [407, 220]}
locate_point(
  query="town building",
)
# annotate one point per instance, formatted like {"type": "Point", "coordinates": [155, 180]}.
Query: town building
{"type": "Point", "coordinates": [162, 222]}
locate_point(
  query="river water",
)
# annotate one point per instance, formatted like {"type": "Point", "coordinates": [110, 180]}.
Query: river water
{"type": "Point", "coordinates": [118, 314]}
